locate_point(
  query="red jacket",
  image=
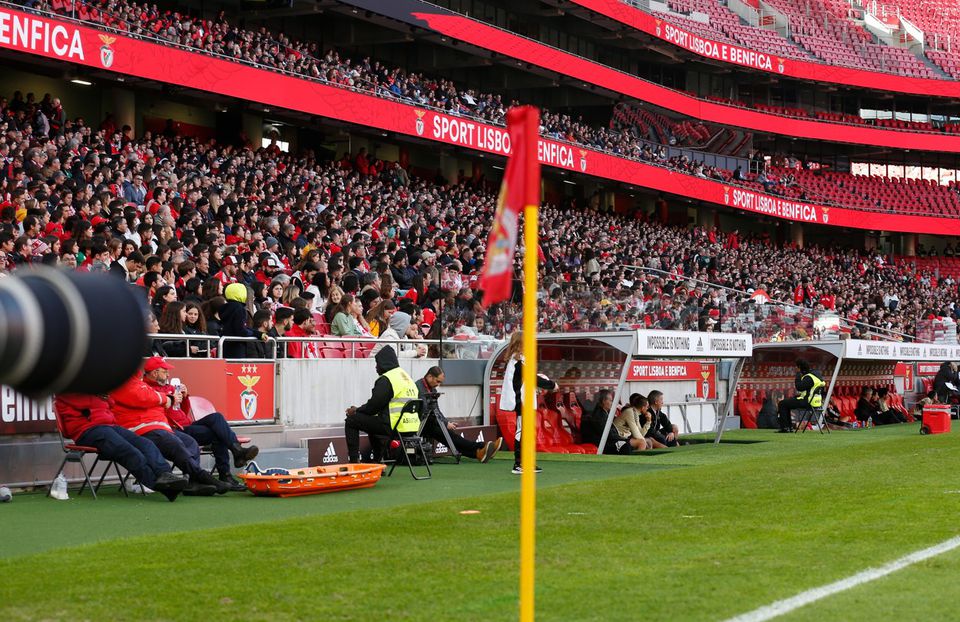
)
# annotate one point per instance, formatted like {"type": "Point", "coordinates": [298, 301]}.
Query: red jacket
{"type": "Point", "coordinates": [301, 349]}
{"type": "Point", "coordinates": [179, 417]}
{"type": "Point", "coordinates": [140, 407]}
{"type": "Point", "coordinates": [78, 413]}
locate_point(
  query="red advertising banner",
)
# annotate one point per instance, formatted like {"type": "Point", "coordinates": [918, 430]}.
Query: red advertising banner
{"type": "Point", "coordinates": [715, 50]}
{"type": "Point", "coordinates": [805, 70]}
{"type": "Point", "coordinates": [21, 415]}
{"type": "Point", "coordinates": [904, 371]}
{"type": "Point", "coordinates": [928, 369]}
{"type": "Point", "coordinates": [242, 392]}
{"type": "Point", "coordinates": [92, 47]}
{"type": "Point", "coordinates": [705, 374]}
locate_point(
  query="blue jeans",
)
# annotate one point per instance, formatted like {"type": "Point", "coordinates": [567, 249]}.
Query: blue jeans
{"type": "Point", "coordinates": [179, 448]}
{"type": "Point", "coordinates": [214, 430]}
{"type": "Point", "coordinates": [134, 453]}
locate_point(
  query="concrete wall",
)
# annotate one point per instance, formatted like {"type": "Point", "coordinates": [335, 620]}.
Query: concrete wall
{"type": "Point", "coordinates": [701, 415]}
{"type": "Point", "coordinates": [315, 393]}
{"type": "Point", "coordinates": [149, 106]}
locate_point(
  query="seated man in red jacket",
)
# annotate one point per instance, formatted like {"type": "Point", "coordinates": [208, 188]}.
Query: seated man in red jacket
{"type": "Point", "coordinates": [89, 421]}
{"type": "Point", "coordinates": [142, 409]}
{"type": "Point", "coordinates": [211, 430]}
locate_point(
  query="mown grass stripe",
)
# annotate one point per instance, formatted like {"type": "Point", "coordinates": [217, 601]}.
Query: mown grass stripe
{"type": "Point", "coordinates": [787, 605]}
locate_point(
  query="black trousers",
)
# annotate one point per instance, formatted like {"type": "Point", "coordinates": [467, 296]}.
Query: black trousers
{"type": "Point", "coordinates": [466, 448]}
{"type": "Point", "coordinates": [179, 448]}
{"type": "Point", "coordinates": [888, 417]}
{"type": "Point", "coordinates": [518, 437]}
{"type": "Point", "coordinates": [134, 453]}
{"type": "Point", "coordinates": [617, 445]}
{"type": "Point", "coordinates": [783, 411]}
{"type": "Point", "coordinates": [214, 430]}
{"type": "Point", "coordinates": [374, 426]}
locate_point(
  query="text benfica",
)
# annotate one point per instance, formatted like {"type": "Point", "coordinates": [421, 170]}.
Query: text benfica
{"type": "Point", "coordinates": [720, 51]}
{"type": "Point", "coordinates": [24, 32]}
{"type": "Point", "coordinates": [774, 206]}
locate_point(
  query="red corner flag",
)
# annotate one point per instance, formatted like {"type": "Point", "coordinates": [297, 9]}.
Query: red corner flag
{"type": "Point", "coordinates": [520, 188]}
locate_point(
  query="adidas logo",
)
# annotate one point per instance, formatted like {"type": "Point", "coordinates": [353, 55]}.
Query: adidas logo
{"type": "Point", "coordinates": [480, 437]}
{"type": "Point", "coordinates": [440, 448]}
{"type": "Point", "coordinates": [330, 455]}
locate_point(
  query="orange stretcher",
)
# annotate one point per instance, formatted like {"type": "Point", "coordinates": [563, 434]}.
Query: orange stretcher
{"type": "Point", "coordinates": [312, 480]}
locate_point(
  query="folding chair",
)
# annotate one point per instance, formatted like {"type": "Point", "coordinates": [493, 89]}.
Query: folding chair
{"type": "Point", "coordinates": [411, 443]}
{"type": "Point", "coordinates": [76, 453]}
{"type": "Point", "coordinates": [200, 407]}
{"type": "Point", "coordinates": [811, 415]}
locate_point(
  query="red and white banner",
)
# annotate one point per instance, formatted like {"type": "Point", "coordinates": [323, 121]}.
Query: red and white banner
{"type": "Point", "coordinates": [715, 50]}
{"type": "Point", "coordinates": [928, 369]}
{"type": "Point", "coordinates": [704, 374]}
{"type": "Point", "coordinates": [242, 392]}
{"type": "Point", "coordinates": [91, 47]}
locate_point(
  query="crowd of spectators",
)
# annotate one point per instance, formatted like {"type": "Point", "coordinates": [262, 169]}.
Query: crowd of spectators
{"type": "Point", "coordinates": [281, 52]}
{"type": "Point", "coordinates": [347, 244]}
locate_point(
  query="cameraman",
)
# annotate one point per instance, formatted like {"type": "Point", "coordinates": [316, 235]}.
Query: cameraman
{"type": "Point", "coordinates": [427, 389]}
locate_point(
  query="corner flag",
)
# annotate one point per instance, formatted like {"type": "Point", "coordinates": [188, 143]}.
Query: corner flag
{"type": "Point", "coordinates": [520, 189]}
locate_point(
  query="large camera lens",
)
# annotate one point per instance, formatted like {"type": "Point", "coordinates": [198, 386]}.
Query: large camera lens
{"type": "Point", "coordinates": [68, 332]}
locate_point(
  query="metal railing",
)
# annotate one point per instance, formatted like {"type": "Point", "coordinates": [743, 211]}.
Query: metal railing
{"type": "Point", "coordinates": [479, 348]}
{"type": "Point", "coordinates": [780, 321]}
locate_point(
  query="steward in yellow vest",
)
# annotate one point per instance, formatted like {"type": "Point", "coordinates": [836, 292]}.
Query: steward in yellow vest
{"type": "Point", "coordinates": [810, 389]}
{"type": "Point", "coordinates": [391, 392]}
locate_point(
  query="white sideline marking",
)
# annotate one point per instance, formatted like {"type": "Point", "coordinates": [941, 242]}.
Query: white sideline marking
{"type": "Point", "coordinates": [783, 607]}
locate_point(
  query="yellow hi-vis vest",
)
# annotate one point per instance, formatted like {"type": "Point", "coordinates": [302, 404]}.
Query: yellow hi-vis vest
{"type": "Point", "coordinates": [816, 392]}
{"type": "Point", "coordinates": [404, 390]}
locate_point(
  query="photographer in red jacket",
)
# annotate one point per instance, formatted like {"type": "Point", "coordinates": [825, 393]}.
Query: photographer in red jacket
{"type": "Point", "coordinates": [140, 408]}
{"type": "Point", "coordinates": [89, 421]}
{"type": "Point", "coordinates": [211, 430]}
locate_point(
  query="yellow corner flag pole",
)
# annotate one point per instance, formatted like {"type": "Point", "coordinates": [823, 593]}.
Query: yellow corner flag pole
{"type": "Point", "coordinates": [528, 455]}
{"type": "Point", "coordinates": [528, 450]}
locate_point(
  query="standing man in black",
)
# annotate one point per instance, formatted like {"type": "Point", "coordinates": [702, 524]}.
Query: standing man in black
{"type": "Point", "coordinates": [809, 387]}
{"type": "Point", "coordinates": [471, 449]}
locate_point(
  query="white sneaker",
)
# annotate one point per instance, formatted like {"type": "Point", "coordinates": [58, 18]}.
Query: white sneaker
{"type": "Point", "coordinates": [135, 488]}
{"type": "Point", "coordinates": [518, 470]}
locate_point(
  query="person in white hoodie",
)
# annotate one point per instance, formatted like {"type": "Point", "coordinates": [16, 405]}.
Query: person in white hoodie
{"type": "Point", "coordinates": [400, 328]}
{"type": "Point", "coordinates": [511, 394]}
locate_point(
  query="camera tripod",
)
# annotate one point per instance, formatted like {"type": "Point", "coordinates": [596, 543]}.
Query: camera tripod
{"type": "Point", "coordinates": [432, 411]}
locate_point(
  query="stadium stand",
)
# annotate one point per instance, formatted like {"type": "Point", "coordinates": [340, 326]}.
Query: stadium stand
{"type": "Point", "coordinates": [191, 208]}
{"type": "Point", "coordinates": [938, 19]}
{"type": "Point", "coordinates": [822, 31]}
{"type": "Point", "coordinates": [586, 300]}
{"type": "Point", "coordinates": [219, 37]}
{"type": "Point", "coordinates": [726, 26]}
{"type": "Point", "coordinates": [305, 59]}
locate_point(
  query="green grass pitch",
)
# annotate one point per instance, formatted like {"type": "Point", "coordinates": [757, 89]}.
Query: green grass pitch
{"type": "Point", "coordinates": [698, 533]}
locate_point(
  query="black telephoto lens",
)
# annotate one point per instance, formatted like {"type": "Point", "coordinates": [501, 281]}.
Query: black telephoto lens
{"type": "Point", "coordinates": [68, 332]}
